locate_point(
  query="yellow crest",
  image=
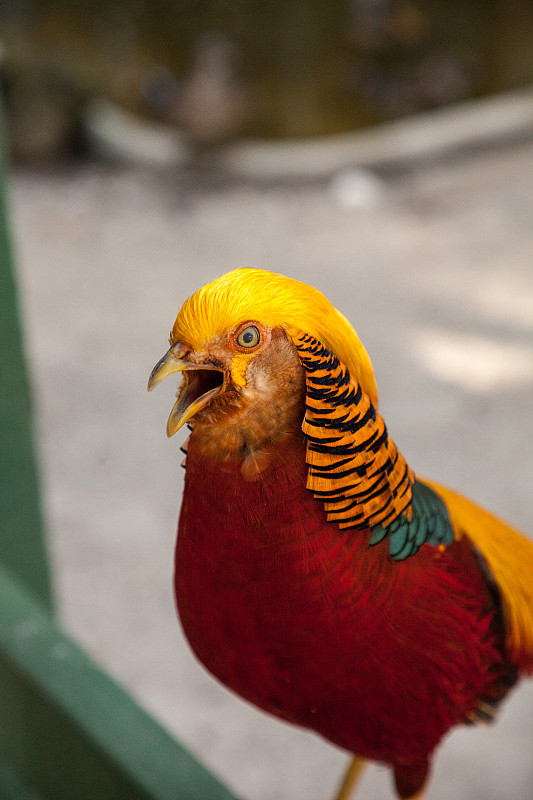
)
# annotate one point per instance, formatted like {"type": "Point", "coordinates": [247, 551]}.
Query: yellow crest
{"type": "Point", "coordinates": [276, 301]}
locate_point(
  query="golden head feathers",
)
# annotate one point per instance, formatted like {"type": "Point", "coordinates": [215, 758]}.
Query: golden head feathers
{"type": "Point", "coordinates": [276, 301]}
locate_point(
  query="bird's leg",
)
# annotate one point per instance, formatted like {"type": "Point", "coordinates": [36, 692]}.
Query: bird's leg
{"type": "Point", "coordinates": [351, 779]}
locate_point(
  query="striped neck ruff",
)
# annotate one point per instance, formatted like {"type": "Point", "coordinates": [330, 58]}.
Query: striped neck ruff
{"type": "Point", "coordinates": [355, 468]}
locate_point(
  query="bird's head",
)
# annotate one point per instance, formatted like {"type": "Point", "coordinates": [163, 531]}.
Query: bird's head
{"type": "Point", "coordinates": [233, 343]}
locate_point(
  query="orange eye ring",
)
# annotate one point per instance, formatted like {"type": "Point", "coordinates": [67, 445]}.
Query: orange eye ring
{"type": "Point", "coordinates": [248, 338]}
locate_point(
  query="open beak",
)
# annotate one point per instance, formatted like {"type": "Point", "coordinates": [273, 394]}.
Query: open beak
{"type": "Point", "coordinates": [201, 382]}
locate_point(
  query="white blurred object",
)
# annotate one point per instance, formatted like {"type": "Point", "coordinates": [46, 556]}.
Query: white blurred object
{"type": "Point", "coordinates": [415, 139]}
{"type": "Point", "coordinates": [117, 134]}
{"type": "Point", "coordinates": [356, 188]}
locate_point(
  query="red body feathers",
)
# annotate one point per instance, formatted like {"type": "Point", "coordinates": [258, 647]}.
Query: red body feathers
{"type": "Point", "coordinates": [314, 626]}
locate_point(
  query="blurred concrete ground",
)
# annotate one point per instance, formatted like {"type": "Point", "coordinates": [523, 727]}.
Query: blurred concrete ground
{"type": "Point", "coordinates": [434, 267]}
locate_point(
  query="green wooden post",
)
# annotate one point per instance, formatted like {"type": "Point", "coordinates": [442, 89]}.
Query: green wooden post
{"type": "Point", "coordinates": [22, 541]}
{"type": "Point", "coordinates": [69, 730]}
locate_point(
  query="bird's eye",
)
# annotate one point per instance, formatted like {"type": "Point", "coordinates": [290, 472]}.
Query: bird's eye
{"type": "Point", "coordinates": [249, 337]}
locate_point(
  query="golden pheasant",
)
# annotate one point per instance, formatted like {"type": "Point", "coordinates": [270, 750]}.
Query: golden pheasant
{"type": "Point", "coordinates": [315, 574]}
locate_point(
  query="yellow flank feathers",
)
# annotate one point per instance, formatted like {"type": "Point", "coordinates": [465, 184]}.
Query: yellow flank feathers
{"type": "Point", "coordinates": [277, 301]}
{"type": "Point", "coordinates": [509, 555]}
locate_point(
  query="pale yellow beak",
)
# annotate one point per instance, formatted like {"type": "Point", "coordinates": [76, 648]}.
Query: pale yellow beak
{"type": "Point", "coordinates": [201, 382]}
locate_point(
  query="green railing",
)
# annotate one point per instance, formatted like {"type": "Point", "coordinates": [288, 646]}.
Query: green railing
{"type": "Point", "coordinates": [67, 730]}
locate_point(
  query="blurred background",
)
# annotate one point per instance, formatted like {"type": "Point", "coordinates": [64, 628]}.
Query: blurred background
{"type": "Point", "coordinates": [381, 150]}
{"type": "Point", "coordinates": [220, 69]}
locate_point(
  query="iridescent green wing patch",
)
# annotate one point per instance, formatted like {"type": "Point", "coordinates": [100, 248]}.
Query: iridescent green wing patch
{"type": "Point", "coordinates": [429, 524]}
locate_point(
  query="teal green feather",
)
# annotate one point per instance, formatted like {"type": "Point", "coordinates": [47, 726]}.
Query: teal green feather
{"type": "Point", "coordinates": [429, 524]}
